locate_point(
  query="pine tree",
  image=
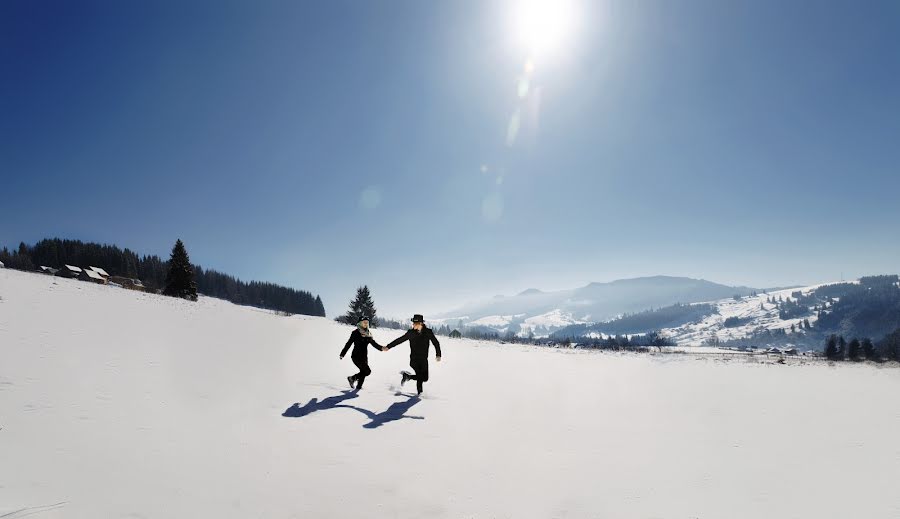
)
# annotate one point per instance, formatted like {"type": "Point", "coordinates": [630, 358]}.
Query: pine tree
{"type": "Point", "coordinates": [854, 349]}
{"type": "Point", "coordinates": [831, 350]}
{"type": "Point", "coordinates": [361, 306]}
{"type": "Point", "coordinates": [180, 279]}
{"type": "Point", "coordinates": [842, 348]}
{"type": "Point", "coordinates": [868, 349]}
{"type": "Point", "coordinates": [320, 308]}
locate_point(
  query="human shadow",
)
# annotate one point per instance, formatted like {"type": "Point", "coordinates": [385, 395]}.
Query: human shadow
{"type": "Point", "coordinates": [394, 412]}
{"type": "Point", "coordinates": [295, 411]}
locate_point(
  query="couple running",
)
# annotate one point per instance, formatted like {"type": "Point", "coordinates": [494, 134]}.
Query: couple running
{"type": "Point", "coordinates": [419, 338]}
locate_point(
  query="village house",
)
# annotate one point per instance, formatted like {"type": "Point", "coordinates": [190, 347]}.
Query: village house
{"type": "Point", "coordinates": [129, 283]}
{"type": "Point", "coordinates": [92, 276]}
{"type": "Point", "coordinates": [68, 271]}
{"type": "Point", "coordinates": [100, 271]}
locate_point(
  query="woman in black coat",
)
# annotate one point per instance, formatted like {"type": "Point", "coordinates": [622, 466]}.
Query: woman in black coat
{"type": "Point", "coordinates": [360, 339]}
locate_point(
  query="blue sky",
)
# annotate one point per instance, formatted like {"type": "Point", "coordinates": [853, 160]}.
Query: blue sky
{"type": "Point", "coordinates": [324, 145]}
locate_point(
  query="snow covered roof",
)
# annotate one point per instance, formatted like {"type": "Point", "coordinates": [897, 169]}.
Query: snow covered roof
{"type": "Point", "coordinates": [73, 269]}
{"type": "Point", "coordinates": [93, 275]}
{"type": "Point", "coordinates": [100, 271]}
{"type": "Point", "coordinates": [2, 265]}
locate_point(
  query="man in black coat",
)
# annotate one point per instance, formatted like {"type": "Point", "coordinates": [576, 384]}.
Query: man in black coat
{"type": "Point", "coordinates": [419, 339]}
{"type": "Point", "coordinates": [360, 339]}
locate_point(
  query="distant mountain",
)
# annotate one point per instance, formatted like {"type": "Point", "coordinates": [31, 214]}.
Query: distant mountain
{"type": "Point", "coordinates": [799, 317]}
{"type": "Point", "coordinates": [538, 312]}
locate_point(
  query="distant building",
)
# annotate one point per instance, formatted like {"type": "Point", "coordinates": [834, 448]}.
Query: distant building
{"type": "Point", "coordinates": [92, 276]}
{"type": "Point", "coordinates": [100, 271]}
{"type": "Point", "coordinates": [129, 283]}
{"type": "Point", "coordinates": [455, 334]}
{"type": "Point", "coordinates": [68, 271]}
{"type": "Point", "coordinates": [2, 265]}
{"type": "Point", "coordinates": [48, 270]}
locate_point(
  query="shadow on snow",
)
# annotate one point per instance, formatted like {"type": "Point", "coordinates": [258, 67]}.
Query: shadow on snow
{"type": "Point", "coordinates": [394, 412]}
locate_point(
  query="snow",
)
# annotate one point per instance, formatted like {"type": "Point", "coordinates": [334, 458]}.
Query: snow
{"type": "Point", "coordinates": [100, 271]}
{"type": "Point", "coordinates": [556, 318]}
{"type": "Point", "coordinates": [93, 274]}
{"type": "Point", "coordinates": [495, 321]}
{"type": "Point", "coordinates": [542, 325]}
{"type": "Point", "coordinates": [73, 269]}
{"type": "Point", "coordinates": [117, 403]}
{"type": "Point", "coordinates": [749, 309]}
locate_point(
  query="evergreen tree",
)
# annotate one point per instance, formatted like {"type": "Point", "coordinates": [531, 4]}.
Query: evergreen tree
{"type": "Point", "coordinates": [854, 349]}
{"type": "Point", "coordinates": [361, 306]}
{"type": "Point", "coordinates": [868, 349]}
{"type": "Point", "coordinates": [180, 279]}
{"type": "Point", "coordinates": [831, 350]}
{"type": "Point", "coordinates": [842, 348]}
{"type": "Point", "coordinates": [889, 347]}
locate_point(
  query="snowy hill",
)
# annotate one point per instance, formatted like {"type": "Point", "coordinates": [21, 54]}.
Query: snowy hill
{"type": "Point", "coordinates": [751, 314]}
{"type": "Point", "coordinates": [541, 313]}
{"type": "Point", "coordinates": [868, 307]}
{"type": "Point", "coordinates": [122, 404]}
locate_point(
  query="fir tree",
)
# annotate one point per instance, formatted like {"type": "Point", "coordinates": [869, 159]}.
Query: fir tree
{"type": "Point", "coordinates": [361, 306]}
{"type": "Point", "coordinates": [320, 307]}
{"type": "Point", "coordinates": [869, 349]}
{"type": "Point", "coordinates": [854, 349]}
{"type": "Point", "coordinates": [831, 349]}
{"type": "Point", "coordinates": [180, 279]}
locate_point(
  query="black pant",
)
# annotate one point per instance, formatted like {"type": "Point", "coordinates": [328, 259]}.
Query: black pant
{"type": "Point", "coordinates": [363, 364]}
{"type": "Point", "coordinates": [420, 366]}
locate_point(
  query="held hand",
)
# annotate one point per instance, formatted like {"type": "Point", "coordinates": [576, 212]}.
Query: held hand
{"type": "Point", "coordinates": [342, 356]}
{"type": "Point", "coordinates": [437, 359]}
{"type": "Point", "coordinates": [384, 348]}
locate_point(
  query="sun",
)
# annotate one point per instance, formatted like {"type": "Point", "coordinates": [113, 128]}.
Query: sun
{"type": "Point", "coordinates": [543, 27]}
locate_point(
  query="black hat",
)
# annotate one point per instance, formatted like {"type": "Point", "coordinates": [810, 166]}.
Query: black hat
{"type": "Point", "coordinates": [418, 318]}
{"type": "Point", "coordinates": [363, 318]}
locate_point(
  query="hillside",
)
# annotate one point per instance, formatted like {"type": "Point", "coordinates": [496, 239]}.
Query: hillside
{"type": "Point", "coordinates": [542, 313]}
{"type": "Point", "coordinates": [116, 403]}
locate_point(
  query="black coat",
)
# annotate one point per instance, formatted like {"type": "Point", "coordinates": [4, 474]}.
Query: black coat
{"type": "Point", "coordinates": [359, 342]}
{"type": "Point", "coordinates": [418, 343]}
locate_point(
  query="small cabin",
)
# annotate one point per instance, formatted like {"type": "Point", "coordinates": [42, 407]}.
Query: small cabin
{"type": "Point", "coordinates": [129, 283]}
{"type": "Point", "coordinates": [92, 276]}
{"type": "Point", "coordinates": [2, 265]}
{"type": "Point", "coordinates": [50, 271]}
{"type": "Point", "coordinates": [100, 271]}
{"type": "Point", "coordinates": [455, 334]}
{"type": "Point", "coordinates": [69, 271]}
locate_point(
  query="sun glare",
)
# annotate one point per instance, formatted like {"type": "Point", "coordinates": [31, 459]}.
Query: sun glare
{"type": "Point", "coordinates": [543, 27]}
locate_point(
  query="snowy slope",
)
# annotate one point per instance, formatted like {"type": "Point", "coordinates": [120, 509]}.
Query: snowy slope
{"type": "Point", "coordinates": [120, 404]}
{"type": "Point", "coordinates": [754, 311]}
{"type": "Point", "coordinates": [594, 302]}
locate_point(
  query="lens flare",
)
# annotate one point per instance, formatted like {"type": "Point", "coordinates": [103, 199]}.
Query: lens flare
{"type": "Point", "coordinates": [544, 27]}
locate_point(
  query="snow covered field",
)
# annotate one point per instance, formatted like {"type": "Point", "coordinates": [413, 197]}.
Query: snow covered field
{"type": "Point", "coordinates": [120, 404]}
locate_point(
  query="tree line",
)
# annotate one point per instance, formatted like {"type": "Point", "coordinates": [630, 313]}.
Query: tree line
{"type": "Point", "coordinates": [837, 348]}
{"type": "Point", "coordinates": [153, 273]}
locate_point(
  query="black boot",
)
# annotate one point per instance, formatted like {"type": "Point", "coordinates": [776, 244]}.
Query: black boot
{"type": "Point", "coordinates": [404, 376]}
{"type": "Point", "coordinates": [351, 379]}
